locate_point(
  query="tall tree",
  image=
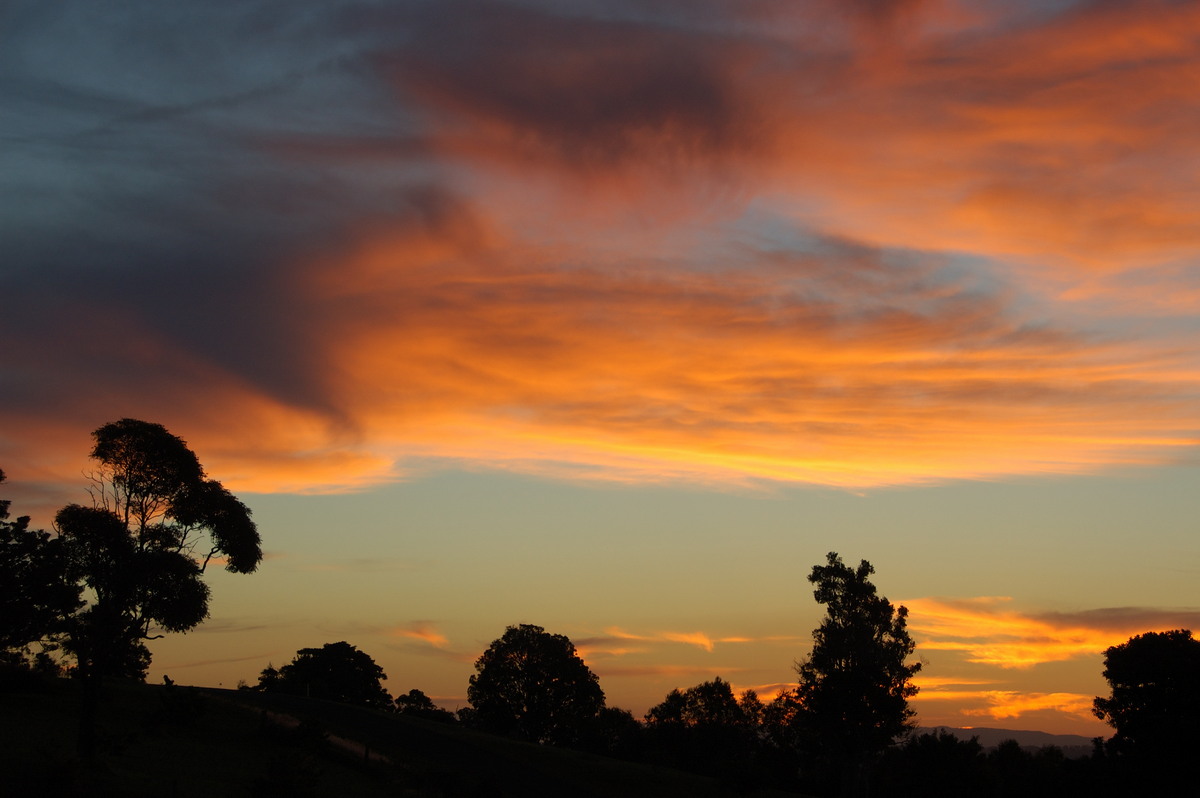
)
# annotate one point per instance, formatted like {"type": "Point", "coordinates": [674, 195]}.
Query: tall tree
{"type": "Point", "coordinates": [140, 551]}
{"type": "Point", "coordinates": [531, 684]}
{"type": "Point", "coordinates": [855, 684]}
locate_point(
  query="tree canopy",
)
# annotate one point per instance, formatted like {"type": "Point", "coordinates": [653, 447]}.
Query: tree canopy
{"type": "Point", "coordinates": [531, 684]}
{"type": "Point", "coordinates": [705, 728]}
{"type": "Point", "coordinates": [334, 672]}
{"type": "Point", "coordinates": [419, 705]}
{"type": "Point", "coordinates": [1155, 702]}
{"type": "Point", "coordinates": [140, 551]}
{"type": "Point", "coordinates": [36, 597]}
{"type": "Point", "coordinates": [855, 684]}
{"type": "Point", "coordinates": [706, 704]}
{"type": "Point", "coordinates": [154, 483]}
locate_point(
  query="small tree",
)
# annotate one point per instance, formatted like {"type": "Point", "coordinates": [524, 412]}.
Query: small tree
{"type": "Point", "coordinates": [532, 684]}
{"type": "Point", "coordinates": [334, 672]}
{"type": "Point", "coordinates": [419, 705]}
{"type": "Point", "coordinates": [855, 685]}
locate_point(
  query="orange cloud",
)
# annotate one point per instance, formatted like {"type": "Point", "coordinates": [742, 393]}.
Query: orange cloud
{"type": "Point", "coordinates": [736, 253]}
{"type": "Point", "coordinates": [991, 635]}
{"type": "Point", "coordinates": [968, 697]}
{"type": "Point", "coordinates": [423, 631]}
{"type": "Point", "coordinates": [1001, 704]}
{"type": "Point", "coordinates": [1007, 704]}
{"type": "Point", "coordinates": [939, 683]}
{"type": "Point", "coordinates": [969, 131]}
{"type": "Point", "coordinates": [699, 639]}
{"type": "Point", "coordinates": [634, 671]}
{"type": "Point", "coordinates": [660, 374]}
{"type": "Point", "coordinates": [1035, 141]}
{"type": "Point", "coordinates": [591, 652]}
{"type": "Point", "coordinates": [778, 373]}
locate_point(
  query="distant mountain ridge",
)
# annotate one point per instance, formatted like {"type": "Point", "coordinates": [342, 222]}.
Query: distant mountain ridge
{"type": "Point", "coordinates": [1071, 744]}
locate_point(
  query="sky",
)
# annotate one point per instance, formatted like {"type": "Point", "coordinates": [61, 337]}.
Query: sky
{"type": "Point", "coordinates": [616, 317]}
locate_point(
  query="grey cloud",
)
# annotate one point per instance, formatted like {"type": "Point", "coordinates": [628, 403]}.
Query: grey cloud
{"type": "Point", "coordinates": [1122, 619]}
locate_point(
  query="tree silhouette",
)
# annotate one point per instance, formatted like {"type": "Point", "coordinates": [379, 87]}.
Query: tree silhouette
{"type": "Point", "coordinates": [334, 672]}
{"type": "Point", "coordinates": [531, 684]}
{"type": "Point", "coordinates": [706, 704]}
{"type": "Point", "coordinates": [419, 705]}
{"type": "Point", "coordinates": [35, 594]}
{"type": "Point", "coordinates": [141, 550]}
{"type": "Point", "coordinates": [855, 685]}
{"type": "Point", "coordinates": [1155, 701]}
{"type": "Point", "coordinates": [934, 765]}
{"type": "Point", "coordinates": [706, 729]}
{"type": "Point", "coordinates": [615, 732]}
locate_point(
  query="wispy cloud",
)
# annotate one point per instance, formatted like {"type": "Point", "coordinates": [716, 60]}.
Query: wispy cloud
{"type": "Point", "coordinates": [989, 633]}
{"type": "Point", "coordinates": [629, 671]}
{"type": "Point", "coordinates": [698, 639]}
{"type": "Point", "coordinates": [423, 631]}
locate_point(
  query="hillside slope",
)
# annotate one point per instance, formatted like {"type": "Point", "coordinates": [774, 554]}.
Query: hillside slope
{"type": "Point", "coordinates": [201, 742]}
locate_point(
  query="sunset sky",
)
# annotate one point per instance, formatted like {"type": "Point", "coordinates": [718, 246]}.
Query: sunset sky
{"type": "Point", "coordinates": [615, 317]}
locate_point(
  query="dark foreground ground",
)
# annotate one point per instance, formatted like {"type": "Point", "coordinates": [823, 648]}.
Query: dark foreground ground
{"type": "Point", "coordinates": [186, 742]}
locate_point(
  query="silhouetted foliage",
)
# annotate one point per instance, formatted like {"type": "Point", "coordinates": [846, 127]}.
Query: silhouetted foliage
{"type": "Point", "coordinates": [1038, 772]}
{"type": "Point", "coordinates": [155, 484]}
{"type": "Point", "coordinates": [531, 684]}
{"type": "Point", "coordinates": [613, 732]}
{"type": "Point", "coordinates": [36, 597]}
{"type": "Point", "coordinates": [936, 765]}
{"type": "Point", "coordinates": [140, 550]}
{"type": "Point", "coordinates": [706, 730]}
{"type": "Point", "coordinates": [1155, 703]}
{"type": "Point", "coordinates": [334, 672]}
{"type": "Point", "coordinates": [179, 706]}
{"type": "Point", "coordinates": [132, 589]}
{"type": "Point", "coordinates": [779, 739]}
{"type": "Point", "coordinates": [417, 704]}
{"type": "Point", "coordinates": [855, 684]}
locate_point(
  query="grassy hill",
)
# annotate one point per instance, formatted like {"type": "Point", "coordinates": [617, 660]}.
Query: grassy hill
{"type": "Point", "coordinates": [183, 742]}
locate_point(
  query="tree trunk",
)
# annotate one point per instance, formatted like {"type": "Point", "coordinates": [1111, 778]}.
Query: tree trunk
{"type": "Point", "coordinates": [85, 742]}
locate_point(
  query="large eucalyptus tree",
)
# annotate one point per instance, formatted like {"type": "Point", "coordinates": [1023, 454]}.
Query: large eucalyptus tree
{"type": "Point", "coordinates": [140, 551]}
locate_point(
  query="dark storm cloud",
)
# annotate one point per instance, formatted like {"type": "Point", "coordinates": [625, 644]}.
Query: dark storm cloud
{"type": "Point", "coordinates": [586, 91]}
{"type": "Point", "coordinates": [140, 203]}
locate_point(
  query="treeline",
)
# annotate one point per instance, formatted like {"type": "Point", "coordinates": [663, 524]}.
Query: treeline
{"type": "Point", "coordinates": [130, 568]}
{"type": "Point", "coordinates": [532, 685]}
